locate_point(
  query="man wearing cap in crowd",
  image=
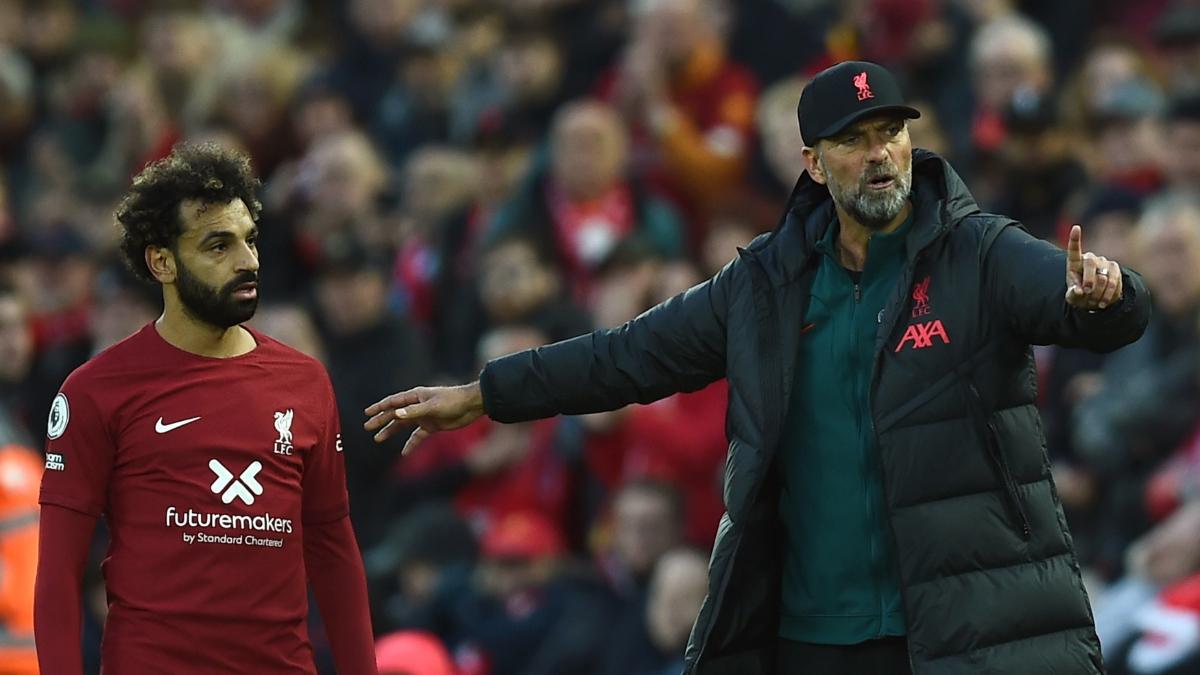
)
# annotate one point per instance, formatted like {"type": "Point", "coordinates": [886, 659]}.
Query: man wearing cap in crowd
{"type": "Point", "coordinates": [889, 502]}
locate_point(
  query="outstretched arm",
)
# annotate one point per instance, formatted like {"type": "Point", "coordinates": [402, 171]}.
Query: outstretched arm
{"type": "Point", "coordinates": [676, 346]}
{"type": "Point", "coordinates": [1069, 298]}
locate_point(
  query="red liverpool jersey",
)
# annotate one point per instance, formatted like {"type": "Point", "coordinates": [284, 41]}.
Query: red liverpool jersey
{"type": "Point", "coordinates": [206, 470]}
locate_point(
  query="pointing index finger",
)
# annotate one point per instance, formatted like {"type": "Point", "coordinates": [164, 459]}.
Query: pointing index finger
{"type": "Point", "coordinates": [1075, 246]}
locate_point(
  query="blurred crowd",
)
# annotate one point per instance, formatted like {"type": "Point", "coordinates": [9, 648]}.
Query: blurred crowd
{"type": "Point", "coordinates": [447, 181]}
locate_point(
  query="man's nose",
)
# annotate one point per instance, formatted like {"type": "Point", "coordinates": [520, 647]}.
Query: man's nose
{"type": "Point", "coordinates": [248, 260]}
{"type": "Point", "coordinates": [877, 151]}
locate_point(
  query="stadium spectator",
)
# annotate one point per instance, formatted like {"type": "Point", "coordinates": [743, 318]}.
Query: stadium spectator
{"type": "Point", "coordinates": [691, 108]}
{"type": "Point", "coordinates": [363, 340]}
{"type": "Point", "coordinates": [585, 201]}
{"type": "Point", "coordinates": [1182, 137]}
{"type": "Point", "coordinates": [16, 365]}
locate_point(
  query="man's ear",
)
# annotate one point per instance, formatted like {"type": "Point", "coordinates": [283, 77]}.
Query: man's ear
{"type": "Point", "coordinates": [813, 164]}
{"type": "Point", "coordinates": [161, 263]}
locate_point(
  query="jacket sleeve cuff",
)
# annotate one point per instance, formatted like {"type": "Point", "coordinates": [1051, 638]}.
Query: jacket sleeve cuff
{"type": "Point", "coordinates": [492, 402]}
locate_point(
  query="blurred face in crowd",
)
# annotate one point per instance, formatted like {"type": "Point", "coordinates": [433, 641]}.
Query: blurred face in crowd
{"type": "Point", "coordinates": [59, 280]}
{"type": "Point", "coordinates": [1127, 145]}
{"type": "Point", "coordinates": [16, 339]}
{"type": "Point", "coordinates": [352, 300]}
{"type": "Point", "coordinates": [322, 116]}
{"type": "Point", "coordinates": [254, 96]}
{"type": "Point", "coordinates": [673, 27]}
{"type": "Point", "coordinates": [531, 68]}
{"type": "Point", "coordinates": [428, 78]}
{"type": "Point", "coordinates": [1111, 235]}
{"type": "Point", "coordinates": [867, 168]}
{"type": "Point", "coordinates": [178, 43]}
{"type": "Point", "coordinates": [1168, 250]}
{"type": "Point", "coordinates": [646, 526]}
{"type": "Point", "coordinates": [676, 592]}
{"type": "Point", "coordinates": [499, 170]}
{"type": "Point", "coordinates": [384, 22]}
{"type": "Point", "coordinates": [342, 174]}
{"type": "Point", "coordinates": [50, 29]}
{"type": "Point", "coordinates": [1181, 158]}
{"type": "Point", "coordinates": [590, 150]}
{"type": "Point", "coordinates": [216, 262]}
{"type": "Point", "coordinates": [1008, 58]}
{"type": "Point", "coordinates": [779, 131]}
{"type": "Point", "coordinates": [250, 107]}
{"type": "Point", "coordinates": [437, 182]}
{"type": "Point", "coordinates": [1107, 67]}
{"type": "Point", "coordinates": [91, 77]}
{"type": "Point", "coordinates": [926, 131]}
{"type": "Point", "coordinates": [513, 282]}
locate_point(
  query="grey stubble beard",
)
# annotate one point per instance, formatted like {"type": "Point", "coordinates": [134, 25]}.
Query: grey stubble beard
{"type": "Point", "coordinates": [873, 211]}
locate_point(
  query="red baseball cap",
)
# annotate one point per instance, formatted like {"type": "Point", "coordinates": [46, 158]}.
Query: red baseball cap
{"type": "Point", "coordinates": [413, 653]}
{"type": "Point", "coordinates": [526, 535]}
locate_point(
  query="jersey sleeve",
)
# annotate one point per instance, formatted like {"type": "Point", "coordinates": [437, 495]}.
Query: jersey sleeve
{"type": "Point", "coordinates": [324, 490]}
{"type": "Point", "coordinates": [80, 450]}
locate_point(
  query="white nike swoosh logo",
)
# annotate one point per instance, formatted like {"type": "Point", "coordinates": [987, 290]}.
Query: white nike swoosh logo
{"type": "Point", "coordinates": [164, 428]}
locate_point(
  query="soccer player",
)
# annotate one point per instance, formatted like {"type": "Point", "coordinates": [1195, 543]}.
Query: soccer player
{"type": "Point", "coordinates": [213, 453]}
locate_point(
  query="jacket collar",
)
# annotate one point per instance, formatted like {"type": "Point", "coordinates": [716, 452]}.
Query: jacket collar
{"type": "Point", "coordinates": [940, 200]}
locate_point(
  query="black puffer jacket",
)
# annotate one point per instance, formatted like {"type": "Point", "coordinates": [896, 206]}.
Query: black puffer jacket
{"type": "Point", "coordinates": [988, 575]}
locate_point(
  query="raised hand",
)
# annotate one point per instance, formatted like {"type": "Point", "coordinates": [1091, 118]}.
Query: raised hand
{"type": "Point", "coordinates": [1093, 281]}
{"type": "Point", "coordinates": [430, 409]}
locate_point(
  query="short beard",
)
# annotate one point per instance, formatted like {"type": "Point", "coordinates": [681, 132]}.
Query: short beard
{"type": "Point", "coordinates": [874, 209]}
{"type": "Point", "coordinates": [216, 307]}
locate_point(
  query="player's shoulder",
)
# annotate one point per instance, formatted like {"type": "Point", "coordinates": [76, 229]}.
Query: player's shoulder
{"type": "Point", "coordinates": [111, 363]}
{"type": "Point", "coordinates": [278, 352]}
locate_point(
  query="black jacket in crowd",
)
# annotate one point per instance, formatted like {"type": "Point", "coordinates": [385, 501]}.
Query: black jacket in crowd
{"type": "Point", "coordinates": [989, 579]}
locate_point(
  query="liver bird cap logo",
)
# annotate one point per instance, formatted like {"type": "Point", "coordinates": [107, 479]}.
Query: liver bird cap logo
{"type": "Point", "coordinates": [864, 89]}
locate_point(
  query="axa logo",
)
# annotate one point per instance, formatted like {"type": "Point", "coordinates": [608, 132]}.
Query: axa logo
{"type": "Point", "coordinates": [244, 487]}
{"type": "Point", "coordinates": [864, 89]}
{"type": "Point", "coordinates": [922, 334]}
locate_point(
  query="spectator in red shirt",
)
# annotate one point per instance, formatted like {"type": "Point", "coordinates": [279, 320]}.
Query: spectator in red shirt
{"type": "Point", "coordinates": [584, 202]}
{"type": "Point", "coordinates": [502, 469]}
{"type": "Point", "coordinates": [679, 439]}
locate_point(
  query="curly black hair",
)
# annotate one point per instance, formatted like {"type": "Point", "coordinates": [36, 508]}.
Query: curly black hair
{"type": "Point", "coordinates": [204, 172]}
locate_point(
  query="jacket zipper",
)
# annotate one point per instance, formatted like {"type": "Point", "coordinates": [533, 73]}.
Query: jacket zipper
{"type": "Point", "coordinates": [873, 544]}
{"type": "Point", "coordinates": [991, 439]}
